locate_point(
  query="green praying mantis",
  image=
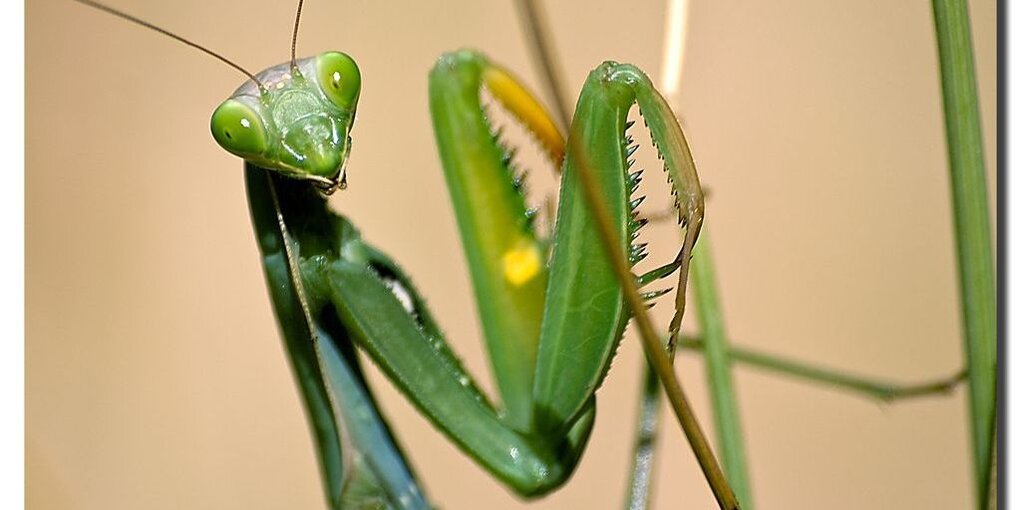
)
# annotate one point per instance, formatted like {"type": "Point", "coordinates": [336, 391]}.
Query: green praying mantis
{"type": "Point", "coordinates": [552, 310]}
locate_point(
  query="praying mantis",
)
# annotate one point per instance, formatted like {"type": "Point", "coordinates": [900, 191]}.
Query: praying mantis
{"type": "Point", "coordinates": [552, 310]}
{"type": "Point", "coordinates": [360, 459]}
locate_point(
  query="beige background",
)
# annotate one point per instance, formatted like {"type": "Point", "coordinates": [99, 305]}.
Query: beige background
{"type": "Point", "coordinates": [156, 378]}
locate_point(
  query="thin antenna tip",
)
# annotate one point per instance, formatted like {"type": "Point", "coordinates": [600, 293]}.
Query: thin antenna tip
{"type": "Point", "coordinates": [293, 39]}
{"type": "Point", "coordinates": [155, 28]}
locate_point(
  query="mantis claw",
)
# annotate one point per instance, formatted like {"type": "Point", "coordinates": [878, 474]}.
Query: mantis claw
{"type": "Point", "coordinates": [659, 272]}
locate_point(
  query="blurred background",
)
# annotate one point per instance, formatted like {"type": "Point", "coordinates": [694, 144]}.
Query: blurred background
{"type": "Point", "coordinates": [155, 374]}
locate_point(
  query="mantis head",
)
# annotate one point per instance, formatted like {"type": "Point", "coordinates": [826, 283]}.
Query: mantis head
{"type": "Point", "coordinates": [294, 118]}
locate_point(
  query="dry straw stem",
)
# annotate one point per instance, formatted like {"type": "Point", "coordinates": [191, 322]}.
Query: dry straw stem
{"type": "Point", "coordinates": [725, 408]}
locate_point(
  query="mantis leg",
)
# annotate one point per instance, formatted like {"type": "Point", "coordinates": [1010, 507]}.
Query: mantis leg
{"type": "Point", "coordinates": [585, 314]}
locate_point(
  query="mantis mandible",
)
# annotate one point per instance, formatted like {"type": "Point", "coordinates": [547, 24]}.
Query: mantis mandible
{"type": "Point", "coordinates": [552, 310]}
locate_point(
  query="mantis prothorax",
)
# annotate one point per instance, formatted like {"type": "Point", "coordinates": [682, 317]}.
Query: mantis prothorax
{"type": "Point", "coordinates": [552, 310]}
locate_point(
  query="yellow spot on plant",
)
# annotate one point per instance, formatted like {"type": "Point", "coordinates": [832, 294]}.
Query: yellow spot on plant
{"type": "Point", "coordinates": [522, 263]}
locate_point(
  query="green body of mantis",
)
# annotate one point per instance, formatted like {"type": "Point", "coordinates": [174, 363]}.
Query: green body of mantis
{"type": "Point", "coordinates": [552, 310]}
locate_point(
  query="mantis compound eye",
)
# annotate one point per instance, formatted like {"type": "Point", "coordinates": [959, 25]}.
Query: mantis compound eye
{"type": "Point", "coordinates": [239, 129]}
{"type": "Point", "coordinates": [339, 78]}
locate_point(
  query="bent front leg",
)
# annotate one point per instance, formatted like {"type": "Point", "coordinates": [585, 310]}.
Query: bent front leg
{"type": "Point", "coordinates": [418, 361]}
{"type": "Point", "coordinates": [507, 262]}
{"type": "Point", "coordinates": [584, 312]}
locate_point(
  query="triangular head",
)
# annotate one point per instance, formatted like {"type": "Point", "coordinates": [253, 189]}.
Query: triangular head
{"type": "Point", "coordinates": [295, 118]}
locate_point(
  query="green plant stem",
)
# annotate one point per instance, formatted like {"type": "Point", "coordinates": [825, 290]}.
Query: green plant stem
{"type": "Point", "coordinates": [991, 492]}
{"type": "Point", "coordinates": [884, 391]}
{"type": "Point", "coordinates": [639, 489]}
{"type": "Point", "coordinates": [971, 222]}
{"type": "Point", "coordinates": [653, 346]}
{"type": "Point", "coordinates": [880, 390]}
{"type": "Point", "coordinates": [725, 409]}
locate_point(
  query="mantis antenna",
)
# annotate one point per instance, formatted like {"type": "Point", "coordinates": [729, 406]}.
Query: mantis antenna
{"type": "Point", "coordinates": [123, 15]}
{"type": "Point", "coordinates": [293, 39]}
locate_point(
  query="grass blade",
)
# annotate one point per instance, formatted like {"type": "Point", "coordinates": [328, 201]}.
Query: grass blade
{"type": "Point", "coordinates": [971, 222]}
